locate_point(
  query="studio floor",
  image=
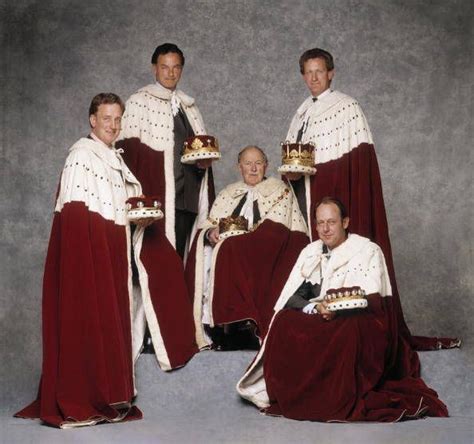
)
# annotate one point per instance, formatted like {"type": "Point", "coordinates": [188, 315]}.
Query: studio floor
{"type": "Point", "coordinates": [198, 404]}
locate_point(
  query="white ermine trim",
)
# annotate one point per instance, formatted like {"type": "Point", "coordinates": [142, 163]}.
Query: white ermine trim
{"type": "Point", "coordinates": [336, 125]}
{"type": "Point", "coordinates": [155, 332]}
{"type": "Point", "coordinates": [307, 193]}
{"type": "Point", "coordinates": [215, 252]}
{"type": "Point", "coordinates": [199, 292]}
{"type": "Point", "coordinates": [202, 215]}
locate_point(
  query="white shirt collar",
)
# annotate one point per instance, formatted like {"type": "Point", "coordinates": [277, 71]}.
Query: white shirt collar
{"type": "Point", "coordinates": [324, 94]}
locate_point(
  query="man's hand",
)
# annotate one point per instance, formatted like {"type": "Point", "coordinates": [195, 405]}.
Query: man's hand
{"type": "Point", "coordinates": [324, 312]}
{"type": "Point", "coordinates": [204, 163]}
{"type": "Point", "coordinates": [293, 176]}
{"type": "Point", "coordinates": [213, 236]}
{"type": "Point", "coordinates": [145, 222]}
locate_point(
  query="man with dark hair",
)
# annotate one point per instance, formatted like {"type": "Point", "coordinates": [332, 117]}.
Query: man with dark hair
{"type": "Point", "coordinates": [333, 351]}
{"type": "Point", "coordinates": [316, 53]}
{"type": "Point", "coordinates": [164, 49]}
{"type": "Point", "coordinates": [346, 167]}
{"type": "Point", "coordinates": [93, 321]}
{"type": "Point", "coordinates": [158, 119]}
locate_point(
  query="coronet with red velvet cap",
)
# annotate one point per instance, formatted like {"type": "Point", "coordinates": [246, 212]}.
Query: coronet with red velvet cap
{"type": "Point", "coordinates": [200, 147]}
{"type": "Point", "coordinates": [148, 207]}
{"type": "Point", "coordinates": [297, 158]}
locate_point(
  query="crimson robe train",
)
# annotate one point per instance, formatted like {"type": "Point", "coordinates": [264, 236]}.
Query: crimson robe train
{"type": "Point", "coordinates": [344, 369]}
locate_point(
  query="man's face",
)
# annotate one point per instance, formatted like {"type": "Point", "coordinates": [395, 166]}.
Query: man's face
{"type": "Point", "coordinates": [330, 226]}
{"type": "Point", "coordinates": [252, 166]}
{"type": "Point", "coordinates": [106, 122]}
{"type": "Point", "coordinates": [316, 76]}
{"type": "Point", "coordinates": [168, 70]}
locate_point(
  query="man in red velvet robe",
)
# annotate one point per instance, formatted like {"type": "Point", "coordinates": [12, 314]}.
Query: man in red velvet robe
{"type": "Point", "coordinates": [158, 119]}
{"type": "Point", "coordinates": [346, 166]}
{"type": "Point", "coordinates": [346, 365]}
{"type": "Point", "coordinates": [239, 278]}
{"type": "Point", "coordinates": [93, 315]}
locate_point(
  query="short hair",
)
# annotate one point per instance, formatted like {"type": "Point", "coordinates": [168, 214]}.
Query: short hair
{"type": "Point", "coordinates": [317, 53]}
{"type": "Point", "coordinates": [105, 99]}
{"type": "Point", "coordinates": [243, 150]}
{"type": "Point", "coordinates": [166, 48]}
{"type": "Point", "coordinates": [332, 200]}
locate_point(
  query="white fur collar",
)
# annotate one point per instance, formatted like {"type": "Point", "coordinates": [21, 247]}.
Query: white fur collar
{"type": "Point", "coordinates": [109, 155]}
{"type": "Point", "coordinates": [340, 256]}
{"type": "Point", "coordinates": [157, 90]}
{"type": "Point", "coordinates": [265, 188]}
{"type": "Point", "coordinates": [323, 104]}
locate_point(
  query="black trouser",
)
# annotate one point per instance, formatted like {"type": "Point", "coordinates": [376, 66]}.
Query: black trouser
{"type": "Point", "coordinates": [183, 225]}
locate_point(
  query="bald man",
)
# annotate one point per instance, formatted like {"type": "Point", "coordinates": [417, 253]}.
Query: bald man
{"type": "Point", "coordinates": [239, 278]}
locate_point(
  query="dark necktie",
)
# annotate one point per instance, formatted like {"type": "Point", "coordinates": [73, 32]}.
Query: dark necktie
{"type": "Point", "coordinates": [301, 131]}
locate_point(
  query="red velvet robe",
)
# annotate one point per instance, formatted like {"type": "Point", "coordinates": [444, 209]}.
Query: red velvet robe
{"type": "Point", "coordinates": [87, 372]}
{"type": "Point", "coordinates": [346, 369]}
{"type": "Point", "coordinates": [248, 271]}
{"type": "Point", "coordinates": [340, 370]}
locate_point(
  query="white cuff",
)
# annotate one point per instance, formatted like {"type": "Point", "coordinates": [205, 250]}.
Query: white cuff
{"type": "Point", "coordinates": [308, 309]}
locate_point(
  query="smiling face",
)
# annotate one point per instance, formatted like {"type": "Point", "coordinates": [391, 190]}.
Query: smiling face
{"type": "Point", "coordinates": [330, 226]}
{"type": "Point", "coordinates": [106, 122]}
{"type": "Point", "coordinates": [168, 70]}
{"type": "Point", "coordinates": [252, 166]}
{"type": "Point", "coordinates": [316, 76]}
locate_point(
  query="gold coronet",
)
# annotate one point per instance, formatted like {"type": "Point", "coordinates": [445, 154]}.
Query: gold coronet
{"type": "Point", "coordinates": [300, 154]}
{"type": "Point", "coordinates": [201, 144]}
{"type": "Point", "coordinates": [232, 223]}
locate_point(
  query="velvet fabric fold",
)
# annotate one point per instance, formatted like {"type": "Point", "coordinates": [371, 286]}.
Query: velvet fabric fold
{"type": "Point", "coordinates": [250, 272]}
{"type": "Point", "coordinates": [170, 299]}
{"type": "Point", "coordinates": [87, 371]}
{"type": "Point", "coordinates": [344, 369]}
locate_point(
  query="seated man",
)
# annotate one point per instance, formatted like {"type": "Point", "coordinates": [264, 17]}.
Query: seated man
{"type": "Point", "coordinates": [93, 317]}
{"type": "Point", "coordinates": [346, 365]}
{"type": "Point", "coordinates": [239, 278]}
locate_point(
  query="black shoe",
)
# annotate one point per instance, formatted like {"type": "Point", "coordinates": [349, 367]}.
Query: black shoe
{"type": "Point", "coordinates": [236, 336]}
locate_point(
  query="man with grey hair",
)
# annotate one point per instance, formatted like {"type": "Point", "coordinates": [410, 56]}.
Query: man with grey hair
{"type": "Point", "coordinates": [237, 277]}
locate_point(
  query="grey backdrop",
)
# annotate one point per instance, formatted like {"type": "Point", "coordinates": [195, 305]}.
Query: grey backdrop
{"type": "Point", "coordinates": [409, 63]}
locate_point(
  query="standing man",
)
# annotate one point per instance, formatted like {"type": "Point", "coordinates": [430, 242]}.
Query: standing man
{"type": "Point", "coordinates": [336, 125]}
{"type": "Point", "coordinates": [346, 166]}
{"type": "Point", "coordinates": [158, 118]}
{"type": "Point", "coordinates": [93, 316]}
